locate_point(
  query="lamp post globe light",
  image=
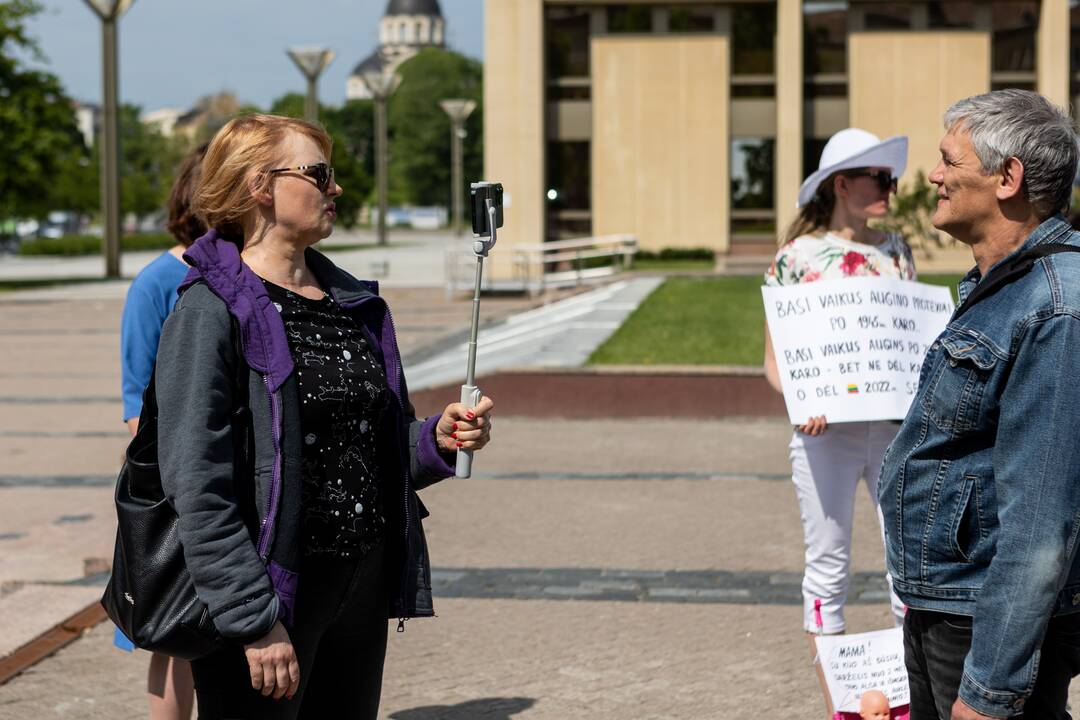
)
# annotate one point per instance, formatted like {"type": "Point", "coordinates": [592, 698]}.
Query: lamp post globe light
{"type": "Point", "coordinates": [459, 111]}
{"type": "Point", "coordinates": [311, 61]}
{"type": "Point", "coordinates": [381, 85]}
{"type": "Point", "coordinates": [109, 12]}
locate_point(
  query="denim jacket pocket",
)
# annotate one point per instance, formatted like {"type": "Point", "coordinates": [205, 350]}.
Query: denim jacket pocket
{"type": "Point", "coordinates": [953, 399]}
{"type": "Point", "coordinates": [968, 526]}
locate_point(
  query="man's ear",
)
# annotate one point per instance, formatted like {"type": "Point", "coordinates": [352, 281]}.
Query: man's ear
{"type": "Point", "coordinates": [1011, 183]}
{"type": "Point", "coordinates": [259, 187]}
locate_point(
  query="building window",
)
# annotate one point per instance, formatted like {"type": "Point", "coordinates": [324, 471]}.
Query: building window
{"type": "Point", "coordinates": [567, 42]}
{"type": "Point", "coordinates": [629, 18]}
{"type": "Point", "coordinates": [569, 189]}
{"type": "Point", "coordinates": [950, 15]}
{"type": "Point", "coordinates": [753, 213]}
{"type": "Point", "coordinates": [1015, 26]}
{"type": "Point", "coordinates": [752, 173]}
{"type": "Point", "coordinates": [824, 37]}
{"type": "Point", "coordinates": [754, 39]}
{"type": "Point", "coordinates": [753, 45]}
{"type": "Point", "coordinates": [825, 49]}
{"type": "Point", "coordinates": [811, 156]}
{"type": "Point", "coordinates": [691, 19]}
{"type": "Point", "coordinates": [887, 16]}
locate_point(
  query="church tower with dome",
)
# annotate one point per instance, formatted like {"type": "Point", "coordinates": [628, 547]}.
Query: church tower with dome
{"type": "Point", "coordinates": [407, 27]}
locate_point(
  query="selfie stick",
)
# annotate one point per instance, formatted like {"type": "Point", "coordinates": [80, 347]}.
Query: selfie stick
{"type": "Point", "coordinates": [470, 394]}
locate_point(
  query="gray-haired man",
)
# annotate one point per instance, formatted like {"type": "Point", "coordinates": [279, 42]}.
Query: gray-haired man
{"type": "Point", "coordinates": [981, 488]}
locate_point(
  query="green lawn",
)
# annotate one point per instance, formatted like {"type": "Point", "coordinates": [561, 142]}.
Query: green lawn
{"type": "Point", "coordinates": [699, 321]}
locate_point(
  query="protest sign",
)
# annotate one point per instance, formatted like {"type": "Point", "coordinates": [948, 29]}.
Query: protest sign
{"type": "Point", "coordinates": [852, 349]}
{"type": "Point", "coordinates": [854, 664]}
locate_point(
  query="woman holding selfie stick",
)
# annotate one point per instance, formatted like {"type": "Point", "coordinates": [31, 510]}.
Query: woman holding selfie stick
{"type": "Point", "coordinates": [831, 239]}
{"type": "Point", "coordinates": [305, 536]}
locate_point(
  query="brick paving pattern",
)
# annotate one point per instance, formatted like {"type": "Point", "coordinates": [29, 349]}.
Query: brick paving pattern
{"type": "Point", "coordinates": [616, 568]}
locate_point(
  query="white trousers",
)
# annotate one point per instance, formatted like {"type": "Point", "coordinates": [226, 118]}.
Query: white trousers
{"type": "Point", "coordinates": [826, 471]}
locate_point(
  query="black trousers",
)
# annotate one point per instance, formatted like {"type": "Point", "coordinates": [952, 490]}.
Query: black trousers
{"type": "Point", "coordinates": [339, 635]}
{"type": "Point", "coordinates": [936, 644]}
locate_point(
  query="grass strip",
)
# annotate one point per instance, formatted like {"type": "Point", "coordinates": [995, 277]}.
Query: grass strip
{"type": "Point", "coordinates": [700, 321]}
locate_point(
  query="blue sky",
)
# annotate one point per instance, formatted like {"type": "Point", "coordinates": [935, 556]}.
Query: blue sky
{"type": "Point", "coordinates": [174, 51]}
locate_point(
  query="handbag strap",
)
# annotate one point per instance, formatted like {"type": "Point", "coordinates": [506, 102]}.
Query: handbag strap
{"type": "Point", "coordinates": [1011, 271]}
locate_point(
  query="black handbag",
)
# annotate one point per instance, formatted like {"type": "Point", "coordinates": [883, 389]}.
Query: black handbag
{"type": "Point", "coordinates": [150, 595]}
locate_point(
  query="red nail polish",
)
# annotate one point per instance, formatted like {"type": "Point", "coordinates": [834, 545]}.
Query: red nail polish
{"type": "Point", "coordinates": [470, 415]}
{"type": "Point", "coordinates": [454, 427]}
{"type": "Point", "coordinates": [459, 444]}
{"type": "Point", "coordinates": [453, 435]}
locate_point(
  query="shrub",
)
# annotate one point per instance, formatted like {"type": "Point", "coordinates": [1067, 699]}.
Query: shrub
{"type": "Point", "coordinates": [677, 254]}
{"type": "Point", "coordinates": [72, 245]}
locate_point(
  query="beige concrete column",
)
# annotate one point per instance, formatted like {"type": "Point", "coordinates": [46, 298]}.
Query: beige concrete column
{"type": "Point", "coordinates": [789, 109]}
{"type": "Point", "coordinates": [1052, 58]}
{"type": "Point", "coordinates": [514, 121]}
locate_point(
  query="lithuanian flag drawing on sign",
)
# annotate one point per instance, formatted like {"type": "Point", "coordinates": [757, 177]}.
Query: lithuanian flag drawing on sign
{"type": "Point", "coordinates": [853, 389]}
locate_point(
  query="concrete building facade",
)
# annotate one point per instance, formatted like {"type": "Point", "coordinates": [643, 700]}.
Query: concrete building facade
{"type": "Point", "coordinates": [692, 124]}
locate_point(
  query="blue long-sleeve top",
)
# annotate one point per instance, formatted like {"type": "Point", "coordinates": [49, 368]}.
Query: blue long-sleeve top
{"type": "Point", "coordinates": [150, 299]}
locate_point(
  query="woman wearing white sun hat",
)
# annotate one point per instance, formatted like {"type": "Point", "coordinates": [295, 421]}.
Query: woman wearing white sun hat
{"type": "Point", "coordinates": [831, 239]}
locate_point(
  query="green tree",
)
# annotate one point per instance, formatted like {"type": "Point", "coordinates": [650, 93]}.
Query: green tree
{"type": "Point", "coordinates": [148, 161]}
{"type": "Point", "coordinates": [420, 130]}
{"type": "Point", "coordinates": [39, 138]}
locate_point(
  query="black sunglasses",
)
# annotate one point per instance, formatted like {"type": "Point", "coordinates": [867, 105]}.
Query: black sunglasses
{"type": "Point", "coordinates": [884, 179]}
{"type": "Point", "coordinates": [321, 173]}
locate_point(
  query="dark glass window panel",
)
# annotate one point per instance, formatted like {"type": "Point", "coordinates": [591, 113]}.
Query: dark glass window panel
{"type": "Point", "coordinates": [691, 19]}
{"type": "Point", "coordinates": [752, 173]}
{"type": "Point", "coordinates": [811, 158]}
{"type": "Point", "coordinates": [887, 16]}
{"type": "Point", "coordinates": [629, 18]}
{"type": "Point", "coordinates": [757, 90]}
{"type": "Point", "coordinates": [754, 41]}
{"type": "Point", "coordinates": [813, 90]}
{"type": "Point", "coordinates": [1012, 85]}
{"type": "Point", "coordinates": [824, 37]}
{"type": "Point", "coordinates": [569, 176]}
{"type": "Point", "coordinates": [950, 14]}
{"type": "Point", "coordinates": [567, 42]}
{"type": "Point", "coordinates": [562, 92]}
{"type": "Point", "coordinates": [1015, 25]}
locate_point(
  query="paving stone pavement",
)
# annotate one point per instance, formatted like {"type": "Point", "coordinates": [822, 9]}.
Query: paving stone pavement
{"type": "Point", "coordinates": [619, 568]}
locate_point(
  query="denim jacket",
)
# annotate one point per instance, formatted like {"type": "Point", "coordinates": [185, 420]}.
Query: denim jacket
{"type": "Point", "coordinates": [980, 490]}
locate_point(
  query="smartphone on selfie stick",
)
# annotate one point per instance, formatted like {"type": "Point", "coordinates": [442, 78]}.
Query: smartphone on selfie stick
{"type": "Point", "coordinates": [487, 217]}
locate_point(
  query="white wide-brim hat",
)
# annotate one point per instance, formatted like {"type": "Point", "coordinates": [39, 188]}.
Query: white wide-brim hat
{"type": "Point", "coordinates": [855, 148]}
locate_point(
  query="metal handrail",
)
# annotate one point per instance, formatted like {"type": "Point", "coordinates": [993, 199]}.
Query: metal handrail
{"type": "Point", "coordinates": [559, 263]}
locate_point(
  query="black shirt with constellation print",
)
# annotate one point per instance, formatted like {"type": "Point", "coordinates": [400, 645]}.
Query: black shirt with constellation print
{"type": "Point", "coordinates": [343, 399]}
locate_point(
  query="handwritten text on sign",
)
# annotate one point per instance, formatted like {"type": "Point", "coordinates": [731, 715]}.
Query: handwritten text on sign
{"type": "Point", "coordinates": [852, 349]}
{"type": "Point", "coordinates": [854, 664]}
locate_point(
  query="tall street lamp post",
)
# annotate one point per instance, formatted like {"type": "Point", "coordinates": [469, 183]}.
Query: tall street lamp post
{"type": "Point", "coordinates": [382, 86]}
{"type": "Point", "coordinates": [311, 61]}
{"type": "Point", "coordinates": [459, 111]}
{"type": "Point", "coordinates": [109, 11]}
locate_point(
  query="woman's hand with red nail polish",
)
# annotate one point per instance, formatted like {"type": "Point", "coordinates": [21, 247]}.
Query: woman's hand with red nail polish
{"type": "Point", "coordinates": [462, 427]}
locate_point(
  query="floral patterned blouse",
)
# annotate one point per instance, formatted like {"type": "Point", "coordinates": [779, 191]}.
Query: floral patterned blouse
{"type": "Point", "coordinates": [808, 258]}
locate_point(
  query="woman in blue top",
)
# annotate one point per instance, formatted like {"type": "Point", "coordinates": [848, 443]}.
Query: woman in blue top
{"type": "Point", "coordinates": [149, 300]}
